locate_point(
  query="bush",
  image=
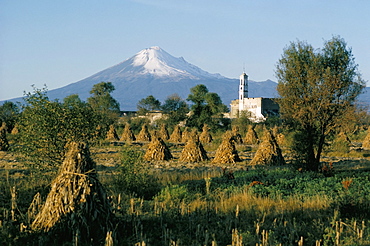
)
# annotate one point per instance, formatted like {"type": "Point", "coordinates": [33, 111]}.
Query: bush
{"type": "Point", "coordinates": [134, 175]}
{"type": "Point", "coordinates": [46, 126]}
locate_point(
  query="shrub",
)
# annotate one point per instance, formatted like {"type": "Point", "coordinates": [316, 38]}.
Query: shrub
{"type": "Point", "coordinates": [134, 175]}
{"type": "Point", "coordinates": [45, 127]}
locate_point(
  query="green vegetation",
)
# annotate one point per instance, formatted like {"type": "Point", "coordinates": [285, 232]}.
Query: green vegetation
{"type": "Point", "coordinates": [318, 89]}
{"type": "Point", "coordinates": [318, 193]}
{"type": "Point", "coordinates": [145, 105]}
{"type": "Point", "coordinates": [104, 104]}
{"type": "Point", "coordinates": [265, 206]}
{"type": "Point", "coordinates": [207, 108]}
{"type": "Point", "coordinates": [46, 126]}
{"type": "Point", "coordinates": [175, 109]}
{"type": "Point", "coordinates": [9, 113]}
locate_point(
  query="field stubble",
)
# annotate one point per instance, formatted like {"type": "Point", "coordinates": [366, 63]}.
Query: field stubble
{"type": "Point", "coordinates": [200, 205]}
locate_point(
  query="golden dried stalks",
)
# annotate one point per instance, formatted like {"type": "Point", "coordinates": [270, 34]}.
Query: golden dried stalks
{"type": "Point", "coordinates": [127, 134]}
{"type": "Point", "coordinates": [226, 152]}
{"type": "Point", "coordinates": [144, 134]}
{"type": "Point", "coordinates": [269, 152]}
{"type": "Point", "coordinates": [77, 202]}
{"type": "Point", "coordinates": [176, 135]}
{"type": "Point", "coordinates": [157, 150]}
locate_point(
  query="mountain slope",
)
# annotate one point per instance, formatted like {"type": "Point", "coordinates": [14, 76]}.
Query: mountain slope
{"type": "Point", "coordinates": [154, 72]}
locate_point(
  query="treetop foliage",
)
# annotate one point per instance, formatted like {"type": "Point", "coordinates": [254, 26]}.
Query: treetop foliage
{"type": "Point", "coordinates": [45, 127]}
{"type": "Point", "coordinates": [176, 110]}
{"type": "Point", "coordinates": [101, 98]}
{"type": "Point", "coordinates": [207, 108]}
{"type": "Point", "coordinates": [148, 104]}
{"type": "Point", "coordinates": [318, 87]}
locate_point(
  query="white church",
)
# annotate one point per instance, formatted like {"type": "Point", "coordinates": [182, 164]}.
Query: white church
{"type": "Point", "coordinates": [259, 108]}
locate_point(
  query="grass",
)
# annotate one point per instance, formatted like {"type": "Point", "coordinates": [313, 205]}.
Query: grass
{"type": "Point", "coordinates": [196, 204]}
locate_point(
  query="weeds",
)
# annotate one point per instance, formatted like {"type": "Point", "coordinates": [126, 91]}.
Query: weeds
{"type": "Point", "coordinates": [203, 206]}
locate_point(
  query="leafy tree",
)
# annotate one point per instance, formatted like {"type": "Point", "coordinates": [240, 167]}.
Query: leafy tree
{"type": "Point", "coordinates": [102, 102]}
{"type": "Point", "coordinates": [72, 101]}
{"type": "Point", "coordinates": [147, 104]}
{"type": "Point", "coordinates": [207, 108]}
{"type": "Point", "coordinates": [46, 126]}
{"type": "Point", "coordinates": [176, 110]}
{"type": "Point", "coordinates": [198, 94]}
{"type": "Point", "coordinates": [317, 89]}
{"type": "Point", "coordinates": [214, 103]}
{"type": "Point", "coordinates": [9, 112]}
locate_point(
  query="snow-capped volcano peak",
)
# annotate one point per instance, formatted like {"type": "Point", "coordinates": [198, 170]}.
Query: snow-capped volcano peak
{"type": "Point", "coordinates": [157, 62]}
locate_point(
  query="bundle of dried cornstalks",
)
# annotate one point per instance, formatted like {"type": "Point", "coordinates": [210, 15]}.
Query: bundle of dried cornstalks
{"type": "Point", "coordinates": [269, 152]}
{"type": "Point", "coordinates": [77, 202]}
{"type": "Point", "coordinates": [144, 134]}
{"type": "Point", "coordinates": [4, 144]}
{"type": "Point", "coordinates": [366, 142]}
{"type": "Point", "coordinates": [176, 135]}
{"type": "Point", "coordinates": [194, 135]}
{"type": "Point", "coordinates": [236, 135]}
{"type": "Point", "coordinates": [157, 150]}
{"type": "Point", "coordinates": [205, 136]}
{"type": "Point", "coordinates": [226, 152]}
{"type": "Point", "coordinates": [193, 150]}
{"type": "Point", "coordinates": [127, 134]}
{"type": "Point", "coordinates": [112, 134]}
{"type": "Point", "coordinates": [280, 137]}
{"type": "Point", "coordinates": [251, 136]}
{"type": "Point", "coordinates": [185, 135]}
{"type": "Point", "coordinates": [163, 133]}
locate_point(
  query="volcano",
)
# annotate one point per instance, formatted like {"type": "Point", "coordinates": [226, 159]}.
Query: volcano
{"type": "Point", "coordinates": [153, 71]}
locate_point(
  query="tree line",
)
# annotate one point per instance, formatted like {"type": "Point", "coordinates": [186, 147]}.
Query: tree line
{"type": "Point", "coordinates": [318, 89]}
{"type": "Point", "coordinates": [45, 126]}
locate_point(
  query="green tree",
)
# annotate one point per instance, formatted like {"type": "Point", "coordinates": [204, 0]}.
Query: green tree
{"type": "Point", "coordinates": [207, 108]}
{"type": "Point", "coordinates": [176, 110]}
{"type": "Point", "coordinates": [46, 126]}
{"type": "Point", "coordinates": [72, 100]}
{"type": "Point", "coordinates": [9, 113]}
{"type": "Point", "coordinates": [317, 89]}
{"type": "Point", "coordinates": [148, 104]}
{"type": "Point", "coordinates": [103, 102]}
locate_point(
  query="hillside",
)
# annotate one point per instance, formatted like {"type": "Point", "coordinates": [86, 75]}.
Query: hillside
{"type": "Point", "coordinates": [155, 72]}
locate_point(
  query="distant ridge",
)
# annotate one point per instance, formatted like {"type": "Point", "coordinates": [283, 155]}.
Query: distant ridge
{"type": "Point", "coordinates": [153, 71]}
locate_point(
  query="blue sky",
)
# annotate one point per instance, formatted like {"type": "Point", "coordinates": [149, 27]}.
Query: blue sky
{"type": "Point", "coordinates": [60, 42]}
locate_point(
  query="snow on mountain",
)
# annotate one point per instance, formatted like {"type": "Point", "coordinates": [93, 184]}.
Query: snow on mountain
{"type": "Point", "coordinates": [153, 71]}
{"type": "Point", "coordinates": [158, 63]}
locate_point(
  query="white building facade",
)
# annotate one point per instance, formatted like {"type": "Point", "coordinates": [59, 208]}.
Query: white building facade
{"type": "Point", "coordinates": [258, 108]}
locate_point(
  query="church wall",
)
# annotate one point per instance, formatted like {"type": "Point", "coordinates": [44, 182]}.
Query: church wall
{"type": "Point", "coordinates": [254, 105]}
{"type": "Point", "coordinates": [260, 108]}
{"type": "Point", "coordinates": [234, 109]}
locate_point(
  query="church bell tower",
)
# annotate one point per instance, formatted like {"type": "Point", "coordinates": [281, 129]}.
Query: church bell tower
{"type": "Point", "coordinates": [243, 90]}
